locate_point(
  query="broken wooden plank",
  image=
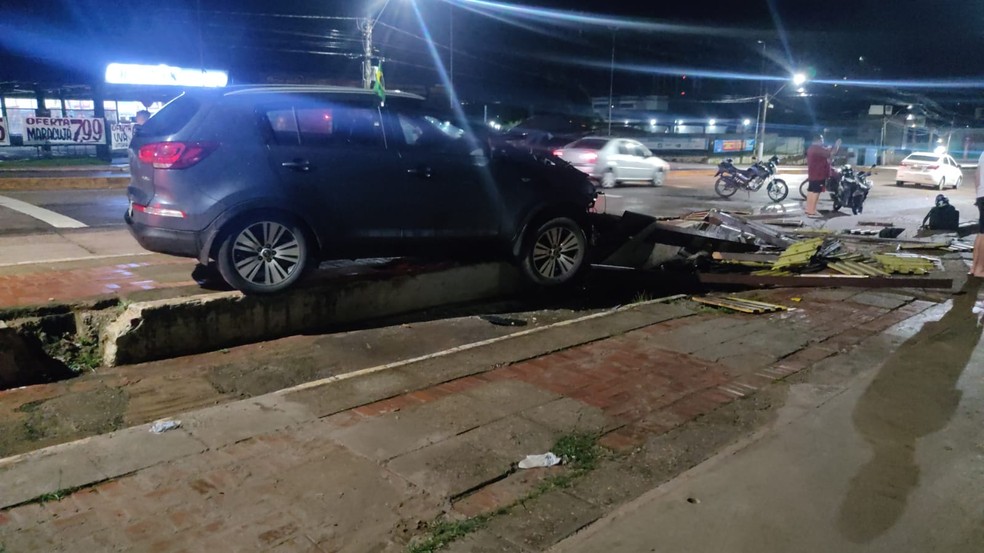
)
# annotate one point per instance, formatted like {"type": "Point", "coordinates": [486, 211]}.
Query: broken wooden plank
{"type": "Point", "coordinates": [729, 256]}
{"type": "Point", "coordinates": [740, 304]}
{"type": "Point", "coordinates": [825, 281]}
{"type": "Point", "coordinates": [727, 305]}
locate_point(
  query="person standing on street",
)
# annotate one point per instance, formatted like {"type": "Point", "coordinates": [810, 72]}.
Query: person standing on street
{"type": "Point", "coordinates": [977, 266]}
{"type": "Point", "coordinates": [818, 159]}
{"type": "Point", "coordinates": [142, 117]}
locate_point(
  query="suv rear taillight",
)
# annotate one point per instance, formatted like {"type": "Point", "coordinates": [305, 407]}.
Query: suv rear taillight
{"type": "Point", "coordinates": [175, 155]}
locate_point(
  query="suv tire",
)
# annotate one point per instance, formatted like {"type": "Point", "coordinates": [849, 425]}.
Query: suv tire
{"type": "Point", "coordinates": [263, 255]}
{"type": "Point", "coordinates": [553, 252]}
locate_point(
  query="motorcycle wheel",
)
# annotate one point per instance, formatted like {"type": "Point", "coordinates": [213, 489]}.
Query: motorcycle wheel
{"type": "Point", "coordinates": [724, 188]}
{"type": "Point", "coordinates": [778, 190]}
{"type": "Point", "coordinates": [837, 205]}
{"type": "Point", "coordinates": [804, 188]}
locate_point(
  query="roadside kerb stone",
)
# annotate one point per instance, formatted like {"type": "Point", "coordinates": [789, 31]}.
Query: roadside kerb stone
{"type": "Point", "coordinates": [152, 330]}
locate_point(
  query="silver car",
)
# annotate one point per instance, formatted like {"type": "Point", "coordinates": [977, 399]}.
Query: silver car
{"type": "Point", "coordinates": [611, 161]}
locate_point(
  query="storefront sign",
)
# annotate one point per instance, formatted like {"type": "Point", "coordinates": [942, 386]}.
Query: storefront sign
{"type": "Point", "coordinates": [129, 73]}
{"type": "Point", "coordinates": [64, 130]}
{"type": "Point", "coordinates": [122, 133]}
{"type": "Point", "coordinates": [4, 135]}
{"type": "Point", "coordinates": [722, 146]}
{"type": "Point", "coordinates": [664, 144]}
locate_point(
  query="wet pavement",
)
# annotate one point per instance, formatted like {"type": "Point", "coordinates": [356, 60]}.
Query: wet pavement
{"type": "Point", "coordinates": [880, 453]}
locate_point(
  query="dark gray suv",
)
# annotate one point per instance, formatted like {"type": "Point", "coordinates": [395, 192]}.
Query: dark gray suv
{"type": "Point", "coordinates": [266, 181]}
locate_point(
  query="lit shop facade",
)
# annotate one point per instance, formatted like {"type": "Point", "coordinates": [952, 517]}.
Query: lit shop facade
{"type": "Point", "coordinates": [91, 119]}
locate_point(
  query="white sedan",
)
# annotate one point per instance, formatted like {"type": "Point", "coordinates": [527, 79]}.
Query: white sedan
{"type": "Point", "coordinates": [939, 170]}
{"type": "Point", "coordinates": [610, 161]}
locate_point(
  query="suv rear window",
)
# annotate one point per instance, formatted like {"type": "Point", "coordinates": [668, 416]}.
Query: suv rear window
{"type": "Point", "coordinates": [590, 143]}
{"type": "Point", "coordinates": [916, 157]}
{"type": "Point", "coordinates": [172, 117]}
{"type": "Point", "coordinates": [325, 125]}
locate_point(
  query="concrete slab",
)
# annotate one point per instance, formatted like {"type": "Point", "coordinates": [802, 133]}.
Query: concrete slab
{"type": "Point", "coordinates": [388, 436]}
{"type": "Point", "coordinates": [567, 415]}
{"type": "Point", "coordinates": [226, 424]}
{"type": "Point", "coordinates": [548, 519]}
{"type": "Point", "coordinates": [762, 347]}
{"type": "Point", "coordinates": [106, 242]}
{"type": "Point", "coordinates": [136, 448]}
{"type": "Point", "coordinates": [885, 300]}
{"type": "Point", "coordinates": [517, 395]}
{"type": "Point", "coordinates": [84, 462]}
{"type": "Point", "coordinates": [16, 250]}
{"type": "Point", "coordinates": [451, 467]}
{"type": "Point", "coordinates": [466, 461]}
{"type": "Point", "coordinates": [694, 338]}
{"type": "Point", "coordinates": [345, 394]}
{"type": "Point", "coordinates": [168, 328]}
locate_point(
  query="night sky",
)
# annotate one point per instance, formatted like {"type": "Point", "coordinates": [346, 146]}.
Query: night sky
{"type": "Point", "coordinates": [531, 58]}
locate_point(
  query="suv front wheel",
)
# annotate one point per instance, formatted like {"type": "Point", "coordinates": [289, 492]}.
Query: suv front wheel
{"type": "Point", "coordinates": [263, 255]}
{"type": "Point", "coordinates": [554, 252]}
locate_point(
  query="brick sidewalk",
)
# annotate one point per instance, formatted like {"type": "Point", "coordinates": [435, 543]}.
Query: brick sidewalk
{"type": "Point", "coordinates": [364, 479]}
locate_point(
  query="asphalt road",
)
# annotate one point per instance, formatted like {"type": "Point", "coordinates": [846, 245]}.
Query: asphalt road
{"type": "Point", "coordinates": [684, 191]}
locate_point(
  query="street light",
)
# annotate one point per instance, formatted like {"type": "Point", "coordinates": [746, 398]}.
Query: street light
{"type": "Point", "coordinates": [746, 122]}
{"type": "Point", "coordinates": [797, 79]}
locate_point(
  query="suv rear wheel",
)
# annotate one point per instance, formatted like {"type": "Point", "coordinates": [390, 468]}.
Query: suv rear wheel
{"type": "Point", "coordinates": [263, 255]}
{"type": "Point", "coordinates": [554, 252]}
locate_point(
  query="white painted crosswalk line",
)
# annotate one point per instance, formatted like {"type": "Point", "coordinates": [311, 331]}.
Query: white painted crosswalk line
{"type": "Point", "coordinates": [56, 220]}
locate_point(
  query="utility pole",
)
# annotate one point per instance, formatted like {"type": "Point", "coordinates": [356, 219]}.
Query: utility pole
{"type": "Point", "coordinates": [765, 111]}
{"type": "Point", "coordinates": [367, 53]}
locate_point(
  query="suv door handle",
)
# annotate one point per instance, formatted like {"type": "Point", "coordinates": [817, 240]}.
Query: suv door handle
{"type": "Point", "coordinates": [424, 172]}
{"type": "Point", "coordinates": [302, 165]}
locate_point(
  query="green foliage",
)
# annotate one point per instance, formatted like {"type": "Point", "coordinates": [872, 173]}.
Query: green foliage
{"type": "Point", "coordinates": [442, 533]}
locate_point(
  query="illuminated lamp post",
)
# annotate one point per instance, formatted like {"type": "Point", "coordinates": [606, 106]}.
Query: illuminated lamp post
{"type": "Point", "coordinates": [798, 79]}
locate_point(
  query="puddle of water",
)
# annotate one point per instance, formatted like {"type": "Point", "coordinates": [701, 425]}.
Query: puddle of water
{"type": "Point", "coordinates": [914, 394]}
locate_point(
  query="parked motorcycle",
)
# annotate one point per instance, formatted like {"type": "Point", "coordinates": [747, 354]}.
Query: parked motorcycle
{"type": "Point", "coordinates": [731, 179]}
{"type": "Point", "coordinates": [849, 189]}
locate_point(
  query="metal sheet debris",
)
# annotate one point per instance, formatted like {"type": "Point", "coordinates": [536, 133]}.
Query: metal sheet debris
{"type": "Point", "coordinates": [855, 268]}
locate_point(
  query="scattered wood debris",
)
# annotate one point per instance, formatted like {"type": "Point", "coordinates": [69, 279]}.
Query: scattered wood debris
{"type": "Point", "coordinates": [741, 304]}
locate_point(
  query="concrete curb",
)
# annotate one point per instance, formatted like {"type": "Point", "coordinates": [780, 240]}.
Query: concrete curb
{"type": "Point", "coordinates": [99, 458]}
{"type": "Point", "coordinates": [151, 330]}
{"type": "Point", "coordinates": [63, 183]}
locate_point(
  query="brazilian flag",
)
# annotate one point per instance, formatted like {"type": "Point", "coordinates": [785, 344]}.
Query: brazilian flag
{"type": "Point", "coordinates": [378, 84]}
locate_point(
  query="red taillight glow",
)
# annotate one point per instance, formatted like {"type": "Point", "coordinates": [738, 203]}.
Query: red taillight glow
{"type": "Point", "coordinates": [175, 155]}
{"type": "Point", "coordinates": [158, 210]}
{"type": "Point", "coordinates": [558, 153]}
{"type": "Point", "coordinates": [590, 158]}
{"type": "Point", "coordinates": [933, 167]}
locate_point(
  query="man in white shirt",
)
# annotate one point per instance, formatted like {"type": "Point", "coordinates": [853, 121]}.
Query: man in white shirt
{"type": "Point", "coordinates": [977, 267]}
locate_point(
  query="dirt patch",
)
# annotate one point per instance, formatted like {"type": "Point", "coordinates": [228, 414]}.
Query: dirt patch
{"type": "Point", "coordinates": [64, 418]}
